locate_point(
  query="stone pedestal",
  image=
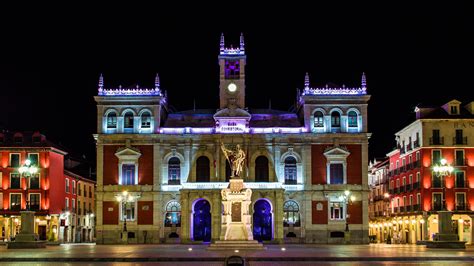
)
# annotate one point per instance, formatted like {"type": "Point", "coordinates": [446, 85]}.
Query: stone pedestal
{"type": "Point", "coordinates": [445, 238]}
{"type": "Point", "coordinates": [236, 226]}
{"type": "Point", "coordinates": [27, 237]}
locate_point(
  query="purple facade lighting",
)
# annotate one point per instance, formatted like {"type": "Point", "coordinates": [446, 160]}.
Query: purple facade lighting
{"type": "Point", "coordinates": [211, 130]}
{"type": "Point", "coordinates": [335, 91]}
{"type": "Point", "coordinates": [130, 92]}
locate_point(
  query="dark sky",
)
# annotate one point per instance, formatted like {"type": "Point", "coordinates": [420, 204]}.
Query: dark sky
{"type": "Point", "coordinates": [51, 59]}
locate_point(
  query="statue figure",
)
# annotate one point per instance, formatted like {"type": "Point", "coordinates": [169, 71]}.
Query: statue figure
{"type": "Point", "coordinates": [235, 158]}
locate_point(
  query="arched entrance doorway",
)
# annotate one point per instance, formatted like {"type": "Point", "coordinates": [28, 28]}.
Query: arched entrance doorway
{"type": "Point", "coordinates": [262, 220]}
{"type": "Point", "coordinates": [202, 221]}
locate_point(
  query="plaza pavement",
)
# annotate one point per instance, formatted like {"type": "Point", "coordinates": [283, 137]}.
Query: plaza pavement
{"type": "Point", "coordinates": [274, 255]}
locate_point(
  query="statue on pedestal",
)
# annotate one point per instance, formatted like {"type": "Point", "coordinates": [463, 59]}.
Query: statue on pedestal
{"type": "Point", "coordinates": [235, 158]}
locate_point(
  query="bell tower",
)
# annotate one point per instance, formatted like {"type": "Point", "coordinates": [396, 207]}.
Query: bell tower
{"type": "Point", "coordinates": [232, 75]}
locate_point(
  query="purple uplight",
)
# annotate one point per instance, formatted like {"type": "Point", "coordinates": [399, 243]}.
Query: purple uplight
{"type": "Point", "coordinates": [130, 92]}
{"type": "Point", "coordinates": [335, 91]}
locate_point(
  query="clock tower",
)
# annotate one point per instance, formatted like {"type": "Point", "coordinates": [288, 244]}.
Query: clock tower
{"type": "Point", "coordinates": [232, 75]}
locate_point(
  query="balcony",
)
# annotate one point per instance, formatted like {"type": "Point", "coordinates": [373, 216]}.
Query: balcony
{"type": "Point", "coordinates": [409, 147]}
{"type": "Point", "coordinates": [416, 144]}
{"type": "Point", "coordinates": [461, 207]}
{"type": "Point", "coordinates": [460, 162]}
{"type": "Point", "coordinates": [402, 189]}
{"type": "Point", "coordinates": [437, 141]}
{"type": "Point", "coordinates": [416, 207]}
{"type": "Point", "coordinates": [290, 181]}
{"type": "Point", "coordinates": [460, 141]}
{"type": "Point", "coordinates": [402, 209]}
{"type": "Point", "coordinates": [397, 190]}
{"type": "Point", "coordinates": [416, 185]}
{"type": "Point", "coordinates": [438, 207]}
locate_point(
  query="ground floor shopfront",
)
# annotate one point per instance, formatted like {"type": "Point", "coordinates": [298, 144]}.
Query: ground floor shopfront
{"type": "Point", "coordinates": [412, 228]}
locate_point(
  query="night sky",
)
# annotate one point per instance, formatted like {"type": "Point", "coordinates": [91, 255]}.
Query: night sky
{"type": "Point", "coordinates": [51, 60]}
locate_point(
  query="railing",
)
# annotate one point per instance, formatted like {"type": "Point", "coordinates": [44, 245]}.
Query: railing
{"type": "Point", "coordinates": [438, 207]}
{"type": "Point", "coordinates": [460, 162]}
{"type": "Point", "coordinates": [402, 209]}
{"type": "Point", "coordinates": [402, 188]}
{"type": "Point", "coordinates": [437, 141]}
{"type": "Point", "coordinates": [461, 207]}
{"type": "Point", "coordinates": [397, 190]}
{"type": "Point", "coordinates": [391, 191]}
{"type": "Point", "coordinates": [79, 211]}
{"type": "Point", "coordinates": [174, 182]}
{"type": "Point", "coordinates": [416, 185]}
{"type": "Point", "coordinates": [290, 181]}
{"type": "Point", "coordinates": [416, 207]}
{"type": "Point", "coordinates": [416, 144]}
{"type": "Point", "coordinates": [460, 141]}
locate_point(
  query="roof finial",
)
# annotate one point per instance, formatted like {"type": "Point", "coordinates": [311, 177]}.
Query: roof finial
{"type": "Point", "coordinates": [364, 81]}
{"type": "Point", "coordinates": [101, 83]}
{"type": "Point", "coordinates": [242, 43]}
{"type": "Point", "coordinates": [157, 81]}
{"type": "Point", "coordinates": [306, 81]}
{"type": "Point", "coordinates": [222, 42]}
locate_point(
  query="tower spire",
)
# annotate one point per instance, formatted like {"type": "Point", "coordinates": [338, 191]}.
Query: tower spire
{"type": "Point", "coordinates": [101, 83]}
{"type": "Point", "coordinates": [306, 81]}
{"type": "Point", "coordinates": [364, 81]}
{"type": "Point", "coordinates": [242, 43]}
{"type": "Point", "coordinates": [157, 81]}
{"type": "Point", "coordinates": [222, 42]}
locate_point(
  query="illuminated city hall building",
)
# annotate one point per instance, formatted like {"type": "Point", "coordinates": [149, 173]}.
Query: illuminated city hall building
{"type": "Point", "coordinates": [160, 173]}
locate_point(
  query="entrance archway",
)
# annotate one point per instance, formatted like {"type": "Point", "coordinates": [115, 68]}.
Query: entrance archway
{"type": "Point", "coordinates": [202, 221]}
{"type": "Point", "coordinates": [262, 220]}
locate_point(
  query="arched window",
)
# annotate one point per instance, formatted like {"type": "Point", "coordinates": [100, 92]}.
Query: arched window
{"type": "Point", "coordinates": [318, 119]}
{"type": "Point", "coordinates": [352, 117]}
{"type": "Point", "coordinates": [112, 120]}
{"type": "Point", "coordinates": [128, 120]}
{"type": "Point", "coordinates": [291, 213]}
{"type": "Point", "coordinates": [203, 171]}
{"type": "Point", "coordinates": [335, 119]}
{"type": "Point", "coordinates": [146, 120]}
{"type": "Point", "coordinates": [173, 214]}
{"type": "Point", "coordinates": [174, 171]}
{"type": "Point", "coordinates": [261, 169]}
{"type": "Point", "coordinates": [290, 170]}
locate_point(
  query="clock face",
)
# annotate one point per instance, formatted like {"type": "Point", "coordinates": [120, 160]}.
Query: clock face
{"type": "Point", "coordinates": [232, 87]}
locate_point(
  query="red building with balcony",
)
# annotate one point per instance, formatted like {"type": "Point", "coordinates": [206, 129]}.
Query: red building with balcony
{"type": "Point", "coordinates": [417, 191]}
{"type": "Point", "coordinates": [47, 190]}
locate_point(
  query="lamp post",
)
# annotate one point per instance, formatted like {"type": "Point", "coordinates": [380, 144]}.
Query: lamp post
{"type": "Point", "coordinates": [124, 198]}
{"type": "Point", "coordinates": [26, 171]}
{"type": "Point", "coordinates": [443, 170]}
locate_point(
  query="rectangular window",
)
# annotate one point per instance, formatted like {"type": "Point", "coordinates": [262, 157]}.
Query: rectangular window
{"type": "Point", "coordinates": [90, 207]}
{"type": "Point", "coordinates": [35, 201]}
{"type": "Point", "coordinates": [79, 211]}
{"type": "Point", "coordinates": [336, 173]}
{"type": "Point", "coordinates": [454, 110]}
{"type": "Point", "coordinates": [437, 201]}
{"type": "Point", "coordinates": [459, 157]}
{"type": "Point", "coordinates": [15, 180]}
{"type": "Point", "coordinates": [14, 160]}
{"type": "Point", "coordinates": [15, 202]}
{"type": "Point", "coordinates": [128, 174]}
{"type": "Point", "coordinates": [232, 69]}
{"type": "Point", "coordinates": [459, 136]}
{"type": "Point", "coordinates": [336, 210]}
{"type": "Point", "coordinates": [34, 159]}
{"type": "Point", "coordinates": [460, 179]}
{"type": "Point", "coordinates": [35, 181]}
{"type": "Point", "coordinates": [128, 211]}
{"type": "Point", "coordinates": [460, 201]}
{"type": "Point", "coordinates": [404, 181]}
{"type": "Point", "coordinates": [90, 192]}
{"type": "Point", "coordinates": [411, 200]}
{"type": "Point", "coordinates": [435, 157]}
{"type": "Point", "coordinates": [437, 181]}
{"type": "Point", "coordinates": [73, 205]}
{"type": "Point", "coordinates": [435, 138]}
{"type": "Point", "coordinates": [67, 204]}
{"type": "Point", "coordinates": [418, 198]}
{"type": "Point", "coordinates": [146, 120]}
{"type": "Point", "coordinates": [410, 179]}
{"type": "Point", "coordinates": [112, 120]}
{"type": "Point", "coordinates": [73, 187]}
{"type": "Point", "coordinates": [417, 156]}
{"type": "Point", "coordinates": [85, 210]}
{"type": "Point", "coordinates": [418, 177]}
{"type": "Point", "coordinates": [67, 185]}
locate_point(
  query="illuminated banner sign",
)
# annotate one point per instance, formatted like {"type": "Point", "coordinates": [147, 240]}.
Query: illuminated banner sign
{"type": "Point", "coordinates": [232, 126]}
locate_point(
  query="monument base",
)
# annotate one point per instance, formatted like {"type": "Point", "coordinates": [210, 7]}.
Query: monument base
{"type": "Point", "coordinates": [445, 244]}
{"type": "Point", "coordinates": [26, 244]}
{"type": "Point", "coordinates": [27, 238]}
{"type": "Point", "coordinates": [236, 244]}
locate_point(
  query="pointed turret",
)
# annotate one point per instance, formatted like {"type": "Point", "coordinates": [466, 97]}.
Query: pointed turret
{"type": "Point", "coordinates": [242, 43]}
{"type": "Point", "coordinates": [222, 42]}
{"type": "Point", "coordinates": [157, 81]}
{"type": "Point", "coordinates": [101, 84]}
{"type": "Point", "coordinates": [306, 81]}
{"type": "Point", "coordinates": [364, 82]}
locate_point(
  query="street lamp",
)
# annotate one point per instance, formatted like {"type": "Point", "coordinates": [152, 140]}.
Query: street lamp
{"type": "Point", "coordinates": [347, 197]}
{"type": "Point", "coordinates": [26, 171]}
{"type": "Point", "coordinates": [124, 198]}
{"type": "Point", "coordinates": [442, 170]}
